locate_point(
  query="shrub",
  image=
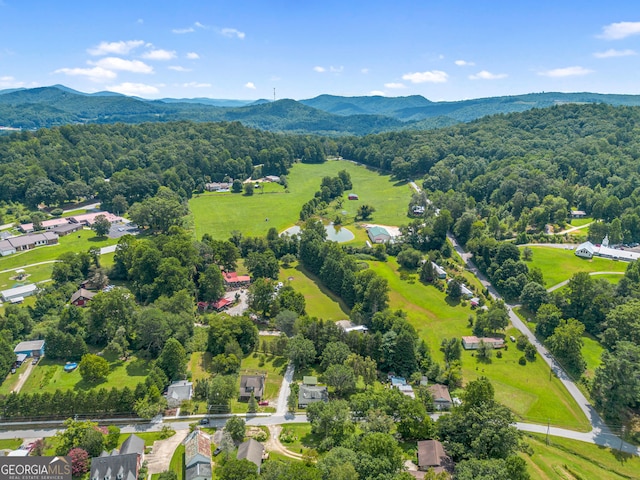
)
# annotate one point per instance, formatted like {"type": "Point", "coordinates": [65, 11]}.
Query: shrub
{"type": "Point", "coordinates": [522, 360]}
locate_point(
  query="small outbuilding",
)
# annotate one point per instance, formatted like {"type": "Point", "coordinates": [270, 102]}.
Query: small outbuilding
{"type": "Point", "coordinates": [352, 196]}
{"type": "Point", "coordinates": [378, 234]}
{"type": "Point", "coordinates": [473, 343]}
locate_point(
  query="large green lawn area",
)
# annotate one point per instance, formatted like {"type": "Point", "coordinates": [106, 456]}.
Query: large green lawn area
{"type": "Point", "coordinates": [565, 459]}
{"type": "Point", "coordinates": [320, 302]}
{"type": "Point", "coordinates": [80, 241]}
{"type": "Point", "coordinates": [558, 265]}
{"type": "Point", "coordinates": [530, 391]}
{"type": "Point", "coordinates": [220, 213]}
{"type": "Point", "coordinates": [49, 375]}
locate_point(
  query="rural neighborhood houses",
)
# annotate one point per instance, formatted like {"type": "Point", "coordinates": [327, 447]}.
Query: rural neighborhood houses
{"type": "Point", "coordinates": [431, 454]}
{"type": "Point", "coordinates": [178, 392]}
{"type": "Point", "coordinates": [348, 326]}
{"type": "Point", "coordinates": [81, 297]}
{"type": "Point", "coordinates": [233, 280]}
{"type": "Point", "coordinates": [441, 396]}
{"type": "Point", "coordinates": [30, 348]}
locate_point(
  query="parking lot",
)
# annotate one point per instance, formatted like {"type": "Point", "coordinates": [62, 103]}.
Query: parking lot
{"type": "Point", "coordinates": [119, 229]}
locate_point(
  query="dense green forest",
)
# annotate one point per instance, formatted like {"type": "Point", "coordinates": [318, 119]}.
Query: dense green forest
{"type": "Point", "coordinates": [56, 165]}
{"type": "Point", "coordinates": [525, 169]}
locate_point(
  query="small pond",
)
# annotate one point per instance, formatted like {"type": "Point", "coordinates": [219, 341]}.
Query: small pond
{"type": "Point", "coordinates": [334, 233]}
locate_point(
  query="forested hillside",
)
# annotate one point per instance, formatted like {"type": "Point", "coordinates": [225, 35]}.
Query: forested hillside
{"type": "Point", "coordinates": [538, 164]}
{"type": "Point", "coordinates": [56, 165]}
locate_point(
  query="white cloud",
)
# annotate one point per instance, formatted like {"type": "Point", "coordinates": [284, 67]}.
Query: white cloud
{"type": "Point", "coordinates": [484, 75]}
{"type": "Point", "coordinates": [159, 54]}
{"type": "Point", "coordinates": [364, 70]}
{"type": "Point", "coordinates": [333, 69]}
{"type": "Point", "coordinates": [319, 69]}
{"type": "Point", "coordinates": [193, 56]}
{"type": "Point", "coordinates": [617, 31]}
{"type": "Point", "coordinates": [128, 88]}
{"type": "Point", "coordinates": [615, 53]}
{"type": "Point", "coordinates": [118, 48]}
{"type": "Point", "coordinates": [10, 82]}
{"type": "Point", "coordinates": [250, 85]}
{"type": "Point", "coordinates": [566, 72]}
{"type": "Point", "coordinates": [178, 68]}
{"type": "Point", "coordinates": [433, 76]}
{"type": "Point", "coordinates": [394, 85]}
{"type": "Point", "coordinates": [378, 93]}
{"type": "Point", "coordinates": [95, 74]}
{"type": "Point", "coordinates": [199, 25]}
{"type": "Point", "coordinates": [232, 33]}
{"type": "Point", "coordinates": [196, 85]}
{"type": "Point", "coordinates": [115, 63]}
{"type": "Point", "coordinates": [464, 63]}
{"type": "Point", "coordinates": [181, 31]}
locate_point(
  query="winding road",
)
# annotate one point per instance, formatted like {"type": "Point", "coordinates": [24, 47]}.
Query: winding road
{"type": "Point", "coordinates": [600, 431]}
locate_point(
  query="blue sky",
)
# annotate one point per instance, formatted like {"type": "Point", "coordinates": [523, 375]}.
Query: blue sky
{"type": "Point", "coordinates": [441, 49]}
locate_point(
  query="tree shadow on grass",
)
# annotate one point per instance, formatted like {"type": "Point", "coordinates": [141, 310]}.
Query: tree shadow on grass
{"type": "Point", "coordinates": [86, 385]}
{"type": "Point", "coordinates": [452, 302]}
{"type": "Point", "coordinates": [137, 368]}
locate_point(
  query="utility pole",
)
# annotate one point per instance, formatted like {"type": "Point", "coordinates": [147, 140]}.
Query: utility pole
{"type": "Point", "coordinates": [621, 438]}
{"type": "Point", "coordinates": [548, 428]}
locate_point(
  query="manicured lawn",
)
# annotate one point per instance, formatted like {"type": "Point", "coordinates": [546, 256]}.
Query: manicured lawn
{"type": "Point", "coordinates": [10, 444]}
{"type": "Point", "coordinates": [35, 274]}
{"type": "Point", "coordinates": [592, 352]}
{"type": "Point", "coordinates": [579, 222]}
{"type": "Point", "coordinates": [303, 439]}
{"type": "Point", "coordinates": [148, 437]}
{"type": "Point", "coordinates": [320, 302]}
{"type": "Point", "coordinates": [177, 462]}
{"type": "Point", "coordinates": [220, 213]}
{"type": "Point", "coordinates": [274, 368]}
{"type": "Point", "coordinates": [571, 459]}
{"type": "Point", "coordinates": [558, 265]}
{"type": "Point", "coordinates": [49, 375]}
{"type": "Point", "coordinates": [528, 390]}
{"type": "Point", "coordinates": [80, 241]}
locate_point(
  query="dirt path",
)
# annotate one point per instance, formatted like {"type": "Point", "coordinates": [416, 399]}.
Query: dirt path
{"type": "Point", "coordinates": [274, 444]}
{"type": "Point", "coordinates": [23, 377]}
{"type": "Point", "coordinates": [160, 457]}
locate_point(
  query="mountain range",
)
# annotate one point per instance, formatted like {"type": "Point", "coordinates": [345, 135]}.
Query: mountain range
{"type": "Point", "coordinates": [326, 114]}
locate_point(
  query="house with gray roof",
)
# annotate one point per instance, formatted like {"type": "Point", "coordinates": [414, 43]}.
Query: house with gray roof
{"type": "Point", "coordinates": [30, 348]}
{"type": "Point", "coordinates": [133, 444]}
{"type": "Point", "coordinates": [310, 394]}
{"type": "Point", "coordinates": [251, 450]}
{"type": "Point", "coordinates": [251, 384]}
{"type": "Point", "coordinates": [179, 392]}
{"type": "Point", "coordinates": [115, 467]}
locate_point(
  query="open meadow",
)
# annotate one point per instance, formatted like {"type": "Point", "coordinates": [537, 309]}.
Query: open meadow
{"type": "Point", "coordinates": [558, 264]}
{"type": "Point", "coordinates": [49, 376]}
{"type": "Point", "coordinates": [571, 459]}
{"type": "Point", "coordinates": [220, 213]}
{"type": "Point", "coordinates": [529, 390]}
{"type": "Point", "coordinates": [320, 302]}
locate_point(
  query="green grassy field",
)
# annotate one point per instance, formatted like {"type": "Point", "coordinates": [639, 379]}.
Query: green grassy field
{"type": "Point", "coordinates": [558, 265]}
{"type": "Point", "coordinates": [12, 379]}
{"type": "Point", "coordinates": [565, 459]}
{"type": "Point", "coordinates": [49, 375]}
{"type": "Point", "coordinates": [579, 222]}
{"type": "Point", "coordinates": [528, 390]}
{"type": "Point", "coordinates": [220, 213]}
{"type": "Point", "coordinates": [80, 241]}
{"type": "Point", "coordinates": [320, 302]}
{"type": "Point", "coordinates": [303, 439]}
{"type": "Point", "coordinates": [177, 462]}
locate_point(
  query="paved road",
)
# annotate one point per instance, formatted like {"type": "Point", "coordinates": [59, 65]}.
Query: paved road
{"type": "Point", "coordinates": [599, 427]}
{"type": "Point", "coordinates": [562, 284]}
{"type": "Point", "coordinates": [285, 389]}
{"type": "Point", "coordinates": [27, 266]}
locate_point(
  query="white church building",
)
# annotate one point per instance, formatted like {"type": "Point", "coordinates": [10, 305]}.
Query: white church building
{"type": "Point", "coordinates": [589, 250]}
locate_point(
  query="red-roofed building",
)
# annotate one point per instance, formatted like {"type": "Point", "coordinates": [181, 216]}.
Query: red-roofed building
{"type": "Point", "coordinates": [232, 279]}
{"type": "Point", "coordinates": [221, 304]}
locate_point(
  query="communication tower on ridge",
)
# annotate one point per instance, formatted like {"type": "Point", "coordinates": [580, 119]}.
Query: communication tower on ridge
{"type": "Point", "coordinates": [274, 94]}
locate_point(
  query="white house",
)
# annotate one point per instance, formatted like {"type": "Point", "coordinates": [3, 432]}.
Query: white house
{"type": "Point", "coordinates": [440, 272]}
{"type": "Point", "coordinates": [585, 250]}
